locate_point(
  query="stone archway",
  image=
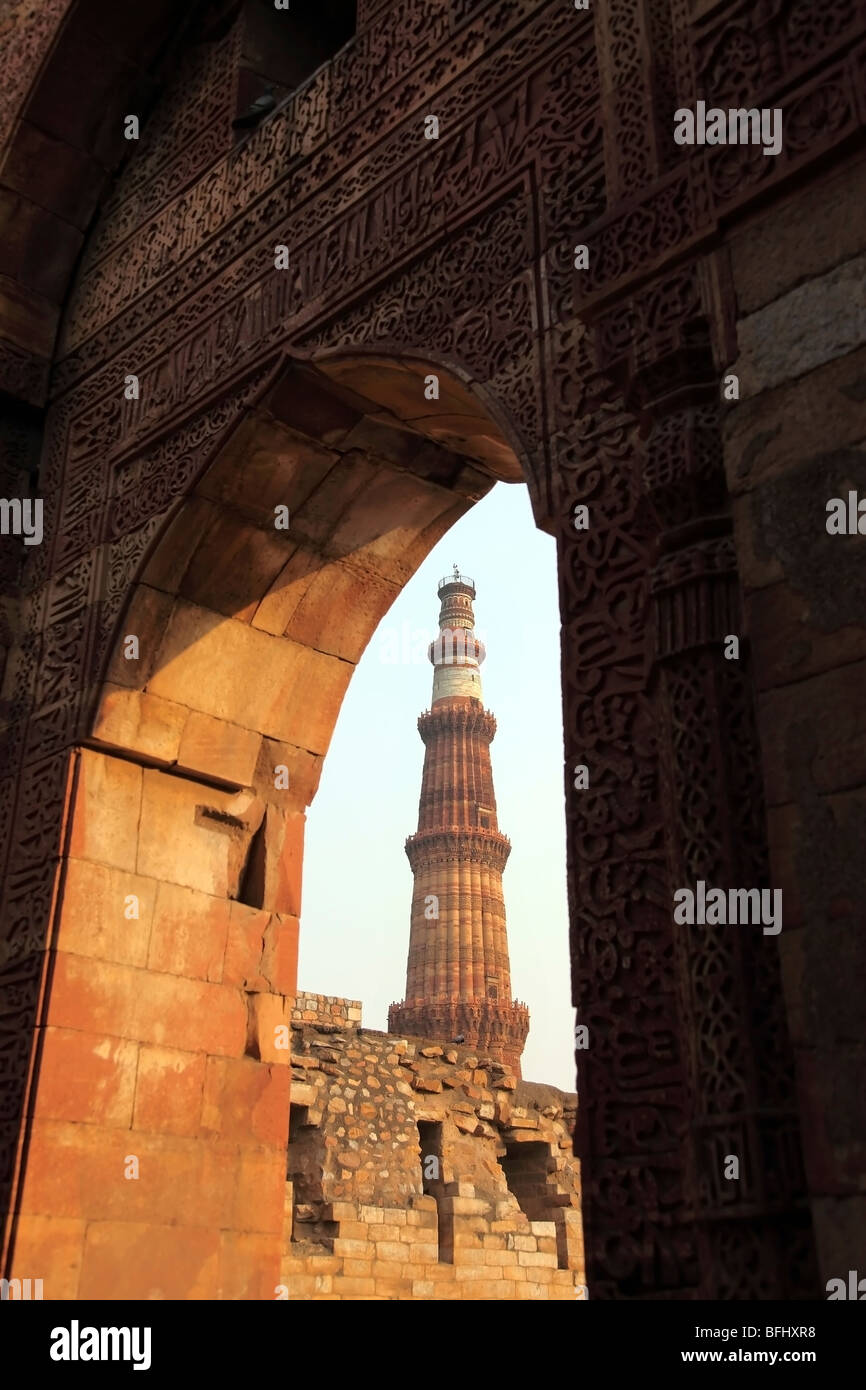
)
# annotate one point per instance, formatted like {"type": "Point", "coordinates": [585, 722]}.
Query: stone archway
{"type": "Point", "coordinates": [555, 134]}
{"type": "Point", "coordinates": [160, 1090]}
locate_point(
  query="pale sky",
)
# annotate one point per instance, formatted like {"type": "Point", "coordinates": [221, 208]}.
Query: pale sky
{"type": "Point", "coordinates": [357, 888]}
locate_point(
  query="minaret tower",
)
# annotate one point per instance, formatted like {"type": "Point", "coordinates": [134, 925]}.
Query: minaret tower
{"type": "Point", "coordinates": [458, 981]}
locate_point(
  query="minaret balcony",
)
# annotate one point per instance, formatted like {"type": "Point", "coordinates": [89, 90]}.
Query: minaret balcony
{"type": "Point", "coordinates": [456, 646]}
{"type": "Point", "coordinates": [467, 716]}
{"type": "Point", "coordinates": [465, 844]}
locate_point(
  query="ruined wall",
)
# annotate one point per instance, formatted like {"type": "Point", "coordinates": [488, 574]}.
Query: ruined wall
{"type": "Point", "coordinates": [421, 1171]}
{"type": "Point", "coordinates": [327, 1009]}
{"type": "Point", "coordinates": [795, 440]}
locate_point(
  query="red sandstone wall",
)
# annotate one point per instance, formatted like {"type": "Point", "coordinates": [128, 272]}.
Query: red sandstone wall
{"type": "Point", "coordinates": [157, 1046]}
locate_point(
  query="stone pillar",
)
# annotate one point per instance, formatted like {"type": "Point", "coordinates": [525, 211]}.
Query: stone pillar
{"type": "Point", "coordinates": [631, 1066]}
{"type": "Point", "coordinates": [753, 1234]}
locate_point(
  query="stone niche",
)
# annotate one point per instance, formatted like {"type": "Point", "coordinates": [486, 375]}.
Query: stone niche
{"type": "Point", "coordinates": [419, 1170]}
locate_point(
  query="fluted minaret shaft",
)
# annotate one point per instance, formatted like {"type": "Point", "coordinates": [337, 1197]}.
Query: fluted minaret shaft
{"type": "Point", "coordinates": [458, 980]}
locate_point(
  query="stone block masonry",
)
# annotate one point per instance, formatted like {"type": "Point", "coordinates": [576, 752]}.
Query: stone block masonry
{"type": "Point", "coordinates": [419, 1170]}
{"type": "Point", "coordinates": [795, 440]}
{"type": "Point", "coordinates": [326, 1008]}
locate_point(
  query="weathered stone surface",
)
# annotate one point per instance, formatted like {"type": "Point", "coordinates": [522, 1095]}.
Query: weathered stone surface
{"type": "Point", "coordinates": [280, 954]}
{"type": "Point", "coordinates": [140, 723]}
{"type": "Point", "coordinates": [268, 1015]}
{"type": "Point", "coordinates": [168, 1091]}
{"type": "Point", "coordinates": [266, 465]}
{"type": "Point", "coordinates": [165, 568]}
{"type": "Point", "coordinates": [759, 566]}
{"type": "Point", "coordinates": [147, 618]}
{"type": "Point", "coordinates": [218, 748]}
{"type": "Point", "coordinates": [106, 913]}
{"type": "Point", "coordinates": [805, 751]}
{"type": "Point", "coordinates": [107, 810]}
{"type": "Point", "coordinates": [296, 694]}
{"type": "Point", "coordinates": [249, 1266]}
{"type": "Point", "coordinates": [246, 1101]}
{"type": "Point", "coordinates": [812, 324]}
{"type": "Point", "coordinates": [171, 1262]}
{"type": "Point", "coordinates": [232, 560]}
{"type": "Point", "coordinates": [244, 947]}
{"type": "Point", "coordinates": [795, 639]}
{"type": "Point", "coordinates": [87, 1078]}
{"type": "Point", "coordinates": [775, 434]}
{"type": "Point", "coordinates": [283, 867]}
{"type": "Point", "coordinates": [188, 935]}
{"type": "Point", "coordinates": [193, 835]}
{"type": "Point", "coordinates": [87, 1164]}
{"type": "Point", "coordinates": [788, 450]}
{"type": "Point", "coordinates": [146, 1007]}
{"type": "Point", "coordinates": [54, 1246]}
{"type": "Point", "coordinates": [799, 238]}
{"type": "Point", "coordinates": [313, 610]}
{"type": "Point", "coordinates": [427, 1083]}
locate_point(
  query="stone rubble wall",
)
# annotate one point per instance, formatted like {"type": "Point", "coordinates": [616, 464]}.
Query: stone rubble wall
{"type": "Point", "coordinates": [359, 1223]}
{"type": "Point", "coordinates": [326, 1008]}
